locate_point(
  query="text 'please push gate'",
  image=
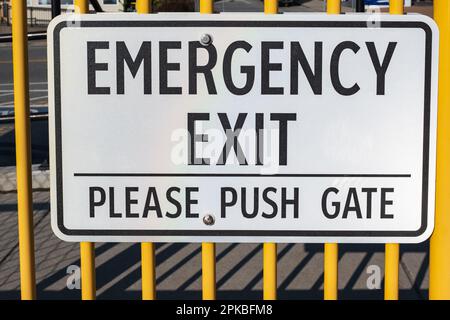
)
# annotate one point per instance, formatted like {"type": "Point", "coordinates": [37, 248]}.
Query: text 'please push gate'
{"type": "Point", "coordinates": [243, 128]}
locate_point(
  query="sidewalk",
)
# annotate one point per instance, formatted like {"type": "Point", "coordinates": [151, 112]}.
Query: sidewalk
{"type": "Point", "coordinates": [178, 271]}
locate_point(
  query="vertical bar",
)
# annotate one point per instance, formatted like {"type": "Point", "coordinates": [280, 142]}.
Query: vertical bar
{"type": "Point", "coordinates": [270, 6]}
{"type": "Point", "coordinates": [56, 8]}
{"type": "Point", "coordinates": [86, 248]}
{"type": "Point", "coordinates": [396, 7]}
{"type": "Point", "coordinates": [391, 259]}
{"type": "Point", "coordinates": [392, 250]}
{"type": "Point", "coordinates": [334, 6]}
{"type": "Point", "coordinates": [270, 271]}
{"type": "Point", "coordinates": [270, 249]}
{"type": "Point", "coordinates": [208, 249]}
{"type": "Point", "coordinates": [206, 6]}
{"type": "Point", "coordinates": [360, 6]}
{"type": "Point", "coordinates": [87, 271]}
{"type": "Point", "coordinates": [330, 259]}
{"type": "Point", "coordinates": [143, 6]}
{"type": "Point", "coordinates": [147, 249]}
{"type": "Point", "coordinates": [148, 271]}
{"type": "Point", "coordinates": [81, 6]}
{"type": "Point", "coordinates": [209, 271]}
{"type": "Point", "coordinates": [23, 150]}
{"type": "Point", "coordinates": [330, 266]}
{"type": "Point", "coordinates": [440, 240]}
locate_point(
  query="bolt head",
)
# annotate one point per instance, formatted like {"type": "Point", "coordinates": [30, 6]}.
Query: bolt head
{"type": "Point", "coordinates": [206, 39]}
{"type": "Point", "coordinates": [208, 220]}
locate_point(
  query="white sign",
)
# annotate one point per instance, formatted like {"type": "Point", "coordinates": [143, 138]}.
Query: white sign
{"type": "Point", "coordinates": [243, 127]}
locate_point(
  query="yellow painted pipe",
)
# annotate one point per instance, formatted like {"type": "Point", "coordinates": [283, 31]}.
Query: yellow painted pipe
{"type": "Point", "coordinates": [86, 248]}
{"type": "Point", "coordinates": [334, 6]}
{"type": "Point", "coordinates": [143, 6]}
{"type": "Point", "coordinates": [440, 240]}
{"type": "Point", "coordinates": [330, 259]}
{"type": "Point", "coordinates": [396, 7]}
{"type": "Point", "coordinates": [148, 271]}
{"type": "Point", "coordinates": [330, 266]}
{"type": "Point", "coordinates": [23, 150]}
{"type": "Point", "coordinates": [270, 249]}
{"type": "Point", "coordinates": [270, 271]}
{"type": "Point", "coordinates": [81, 6]}
{"type": "Point", "coordinates": [147, 249]}
{"type": "Point", "coordinates": [208, 249]}
{"type": "Point", "coordinates": [270, 6]}
{"type": "Point", "coordinates": [206, 6]}
{"type": "Point", "coordinates": [87, 271]}
{"type": "Point", "coordinates": [391, 260]}
{"type": "Point", "coordinates": [392, 250]}
{"type": "Point", "coordinates": [209, 271]}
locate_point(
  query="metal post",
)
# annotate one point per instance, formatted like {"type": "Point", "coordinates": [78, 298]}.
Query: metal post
{"type": "Point", "coordinates": [147, 249]}
{"type": "Point", "coordinates": [148, 271]}
{"type": "Point", "coordinates": [330, 259]}
{"type": "Point", "coordinates": [392, 250]}
{"type": "Point", "coordinates": [270, 271]}
{"type": "Point", "coordinates": [56, 8]}
{"type": "Point", "coordinates": [87, 253]}
{"type": "Point", "coordinates": [208, 249]}
{"type": "Point", "coordinates": [359, 6]}
{"type": "Point", "coordinates": [23, 150]}
{"type": "Point", "coordinates": [270, 249]}
{"type": "Point", "coordinates": [86, 248]}
{"type": "Point", "coordinates": [209, 271]}
{"type": "Point", "coordinates": [334, 6]}
{"type": "Point", "coordinates": [440, 240]}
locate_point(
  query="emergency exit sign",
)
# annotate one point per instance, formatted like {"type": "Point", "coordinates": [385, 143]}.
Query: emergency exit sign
{"type": "Point", "coordinates": [243, 127]}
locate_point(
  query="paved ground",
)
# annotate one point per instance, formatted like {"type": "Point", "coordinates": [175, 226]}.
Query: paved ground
{"type": "Point", "coordinates": [239, 273]}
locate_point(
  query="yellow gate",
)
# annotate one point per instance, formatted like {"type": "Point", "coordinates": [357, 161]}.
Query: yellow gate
{"type": "Point", "coordinates": [440, 240]}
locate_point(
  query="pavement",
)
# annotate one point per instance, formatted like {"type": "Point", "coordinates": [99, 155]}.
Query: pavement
{"type": "Point", "coordinates": [178, 266]}
{"type": "Point", "coordinates": [178, 271]}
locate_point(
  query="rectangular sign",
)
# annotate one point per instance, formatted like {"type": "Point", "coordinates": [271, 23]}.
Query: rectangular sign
{"type": "Point", "coordinates": [242, 127]}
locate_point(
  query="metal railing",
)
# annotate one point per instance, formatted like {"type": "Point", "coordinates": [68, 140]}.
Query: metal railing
{"type": "Point", "coordinates": [36, 16]}
{"type": "Point", "coordinates": [440, 241]}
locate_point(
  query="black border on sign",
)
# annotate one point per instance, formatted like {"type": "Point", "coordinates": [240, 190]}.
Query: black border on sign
{"type": "Point", "coordinates": [253, 24]}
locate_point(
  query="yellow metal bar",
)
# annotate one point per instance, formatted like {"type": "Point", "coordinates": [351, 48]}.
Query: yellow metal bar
{"type": "Point", "coordinates": [23, 150]}
{"type": "Point", "coordinates": [147, 249]}
{"type": "Point", "coordinates": [206, 6]}
{"type": "Point", "coordinates": [270, 249]}
{"type": "Point", "coordinates": [208, 249]}
{"type": "Point", "coordinates": [81, 6]}
{"type": "Point", "coordinates": [270, 6]}
{"type": "Point", "coordinates": [330, 281]}
{"type": "Point", "coordinates": [334, 6]}
{"type": "Point", "coordinates": [148, 271]}
{"type": "Point", "coordinates": [86, 248]}
{"type": "Point", "coordinates": [330, 259]}
{"type": "Point", "coordinates": [392, 250]}
{"type": "Point", "coordinates": [440, 240]}
{"type": "Point", "coordinates": [396, 7]}
{"type": "Point", "coordinates": [391, 271]}
{"type": "Point", "coordinates": [87, 271]}
{"type": "Point", "coordinates": [209, 271]}
{"type": "Point", "coordinates": [143, 6]}
{"type": "Point", "coordinates": [270, 271]}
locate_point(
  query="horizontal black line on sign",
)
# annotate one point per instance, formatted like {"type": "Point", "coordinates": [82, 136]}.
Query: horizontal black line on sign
{"type": "Point", "coordinates": [252, 175]}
